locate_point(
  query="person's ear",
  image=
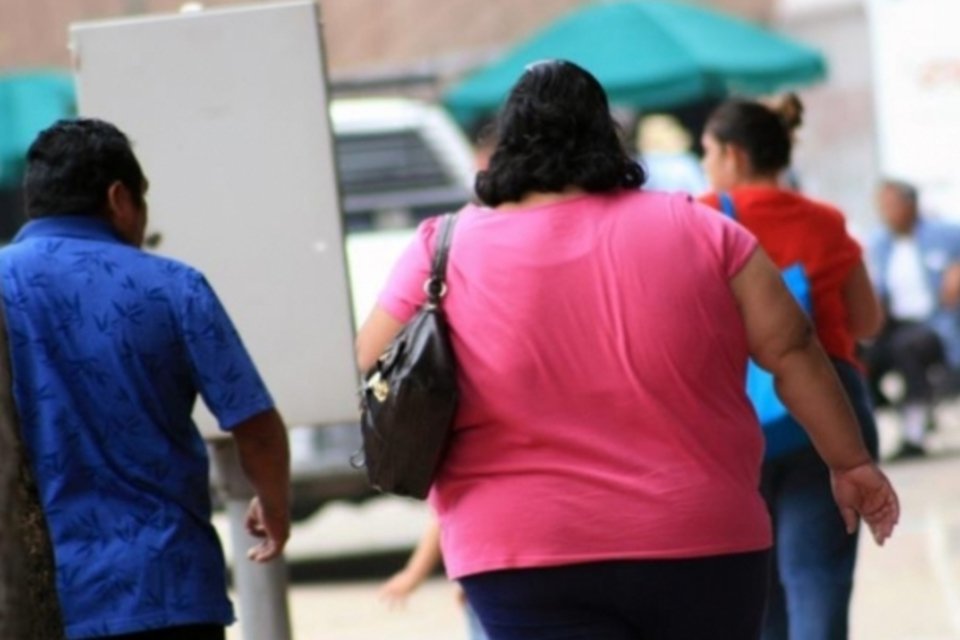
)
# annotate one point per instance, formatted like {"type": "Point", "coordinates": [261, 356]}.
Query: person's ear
{"type": "Point", "coordinates": [124, 213]}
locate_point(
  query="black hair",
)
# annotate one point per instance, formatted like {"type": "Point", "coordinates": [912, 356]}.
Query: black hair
{"type": "Point", "coordinates": [71, 165]}
{"type": "Point", "coordinates": [904, 189]}
{"type": "Point", "coordinates": [789, 107]}
{"type": "Point", "coordinates": [764, 133]}
{"type": "Point", "coordinates": [555, 131]}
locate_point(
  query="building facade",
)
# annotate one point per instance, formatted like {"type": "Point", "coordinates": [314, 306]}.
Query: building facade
{"type": "Point", "coordinates": [362, 36]}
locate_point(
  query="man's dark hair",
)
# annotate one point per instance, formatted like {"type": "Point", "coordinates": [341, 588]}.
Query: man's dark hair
{"type": "Point", "coordinates": [71, 165]}
{"type": "Point", "coordinates": [763, 133]}
{"type": "Point", "coordinates": [554, 132]}
{"type": "Point", "coordinates": [904, 189]}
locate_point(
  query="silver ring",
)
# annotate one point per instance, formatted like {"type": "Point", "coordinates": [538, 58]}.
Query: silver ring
{"type": "Point", "coordinates": [443, 288]}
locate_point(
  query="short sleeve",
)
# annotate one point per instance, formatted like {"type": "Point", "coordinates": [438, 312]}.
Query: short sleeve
{"type": "Point", "coordinates": [404, 294]}
{"type": "Point", "coordinates": [223, 370]}
{"type": "Point", "coordinates": [730, 241]}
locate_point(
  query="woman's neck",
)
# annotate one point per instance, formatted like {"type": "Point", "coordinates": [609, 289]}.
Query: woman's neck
{"type": "Point", "coordinates": [540, 198]}
{"type": "Point", "coordinates": [759, 181]}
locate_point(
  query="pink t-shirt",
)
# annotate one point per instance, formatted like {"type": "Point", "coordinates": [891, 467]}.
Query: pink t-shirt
{"type": "Point", "coordinates": [602, 362]}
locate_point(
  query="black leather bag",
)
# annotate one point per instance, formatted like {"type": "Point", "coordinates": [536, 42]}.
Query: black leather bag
{"type": "Point", "coordinates": [409, 399]}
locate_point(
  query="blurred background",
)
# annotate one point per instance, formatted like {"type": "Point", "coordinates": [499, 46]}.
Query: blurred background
{"type": "Point", "coordinates": [421, 48]}
{"type": "Point", "coordinates": [880, 80]}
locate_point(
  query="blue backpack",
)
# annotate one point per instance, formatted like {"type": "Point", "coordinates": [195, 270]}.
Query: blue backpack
{"type": "Point", "coordinates": [782, 433]}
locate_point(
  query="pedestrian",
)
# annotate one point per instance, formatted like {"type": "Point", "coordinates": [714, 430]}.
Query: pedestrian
{"type": "Point", "coordinates": [110, 347]}
{"type": "Point", "coordinates": [665, 152]}
{"type": "Point", "coordinates": [915, 263]}
{"type": "Point", "coordinates": [602, 479]}
{"type": "Point", "coordinates": [422, 562]}
{"type": "Point", "coordinates": [747, 146]}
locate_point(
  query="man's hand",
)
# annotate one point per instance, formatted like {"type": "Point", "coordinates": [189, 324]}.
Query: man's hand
{"type": "Point", "coordinates": [274, 528]}
{"type": "Point", "coordinates": [864, 492]}
{"type": "Point", "coordinates": [950, 289]}
{"type": "Point", "coordinates": [265, 458]}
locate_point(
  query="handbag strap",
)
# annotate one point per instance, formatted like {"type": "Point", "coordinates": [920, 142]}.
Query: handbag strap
{"type": "Point", "coordinates": [436, 286]}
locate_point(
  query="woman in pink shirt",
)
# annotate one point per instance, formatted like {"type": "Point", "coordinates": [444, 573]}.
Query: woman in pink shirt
{"type": "Point", "coordinates": [603, 477]}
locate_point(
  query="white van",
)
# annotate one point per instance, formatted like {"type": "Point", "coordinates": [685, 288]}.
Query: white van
{"type": "Point", "coordinates": [399, 161]}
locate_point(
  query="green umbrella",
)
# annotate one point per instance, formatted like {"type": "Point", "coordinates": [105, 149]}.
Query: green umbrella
{"type": "Point", "coordinates": [29, 102]}
{"type": "Point", "coordinates": [650, 54]}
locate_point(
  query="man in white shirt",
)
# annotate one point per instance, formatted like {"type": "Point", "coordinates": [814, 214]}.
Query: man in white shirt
{"type": "Point", "coordinates": [915, 264]}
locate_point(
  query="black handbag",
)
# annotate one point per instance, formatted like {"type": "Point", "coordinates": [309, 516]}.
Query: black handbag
{"type": "Point", "coordinates": [409, 399]}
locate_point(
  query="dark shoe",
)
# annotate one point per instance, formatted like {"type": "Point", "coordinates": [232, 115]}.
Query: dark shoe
{"type": "Point", "coordinates": [909, 451]}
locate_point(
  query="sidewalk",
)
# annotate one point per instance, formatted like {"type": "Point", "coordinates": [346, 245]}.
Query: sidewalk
{"type": "Point", "coordinates": [910, 589]}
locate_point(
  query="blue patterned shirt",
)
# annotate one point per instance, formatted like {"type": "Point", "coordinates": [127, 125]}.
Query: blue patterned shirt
{"type": "Point", "coordinates": [110, 347]}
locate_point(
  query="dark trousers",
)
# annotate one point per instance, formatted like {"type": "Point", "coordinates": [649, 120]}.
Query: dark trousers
{"type": "Point", "coordinates": [909, 348]}
{"type": "Point", "coordinates": [813, 558]}
{"type": "Point", "coordinates": [714, 597]}
{"type": "Point", "coordinates": [189, 632]}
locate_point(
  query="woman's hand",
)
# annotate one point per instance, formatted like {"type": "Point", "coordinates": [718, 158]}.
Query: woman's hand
{"type": "Point", "coordinates": [424, 560]}
{"type": "Point", "coordinates": [398, 588]}
{"type": "Point", "coordinates": [864, 492]}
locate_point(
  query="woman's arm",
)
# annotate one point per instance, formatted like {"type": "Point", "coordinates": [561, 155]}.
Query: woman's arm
{"type": "Point", "coordinates": [864, 313]}
{"type": "Point", "coordinates": [783, 342]}
{"type": "Point", "coordinates": [379, 329]}
{"type": "Point", "coordinates": [425, 558]}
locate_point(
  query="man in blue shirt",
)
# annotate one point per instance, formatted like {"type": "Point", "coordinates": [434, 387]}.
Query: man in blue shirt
{"type": "Point", "coordinates": [915, 266]}
{"type": "Point", "coordinates": [110, 347]}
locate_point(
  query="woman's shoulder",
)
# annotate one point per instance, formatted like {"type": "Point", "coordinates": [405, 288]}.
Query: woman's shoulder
{"type": "Point", "coordinates": [673, 202]}
{"type": "Point", "coordinates": [430, 227]}
{"type": "Point", "coordinates": [678, 214]}
{"type": "Point", "coordinates": [822, 209]}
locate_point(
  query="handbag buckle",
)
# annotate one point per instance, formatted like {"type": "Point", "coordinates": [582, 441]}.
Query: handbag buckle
{"type": "Point", "coordinates": [379, 387]}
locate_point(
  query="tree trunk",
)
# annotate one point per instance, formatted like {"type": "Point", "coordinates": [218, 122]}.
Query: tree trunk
{"type": "Point", "coordinates": [29, 609]}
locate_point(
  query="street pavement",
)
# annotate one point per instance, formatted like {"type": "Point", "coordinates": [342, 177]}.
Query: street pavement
{"type": "Point", "coordinates": [910, 589]}
{"type": "Point", "coordinates": [907, 590]}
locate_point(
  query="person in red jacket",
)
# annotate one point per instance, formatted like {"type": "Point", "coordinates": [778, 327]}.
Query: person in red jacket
{"type": "Point", "coordinates": [747, 148]}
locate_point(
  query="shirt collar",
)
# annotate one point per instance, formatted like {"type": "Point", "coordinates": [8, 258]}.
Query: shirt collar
{"type": "Point", "coordinates": [69, 226]}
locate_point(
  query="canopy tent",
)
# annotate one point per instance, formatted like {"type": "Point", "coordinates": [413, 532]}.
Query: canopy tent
{"type": "Point", "coordinates": [29, 102]}
{"type": "Point", "coordinates": [649, 54]}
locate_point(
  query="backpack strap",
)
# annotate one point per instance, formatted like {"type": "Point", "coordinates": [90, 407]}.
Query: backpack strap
{"type": "Point", "coordinates": [727, 206]}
